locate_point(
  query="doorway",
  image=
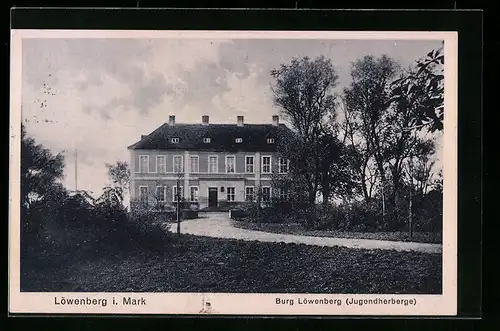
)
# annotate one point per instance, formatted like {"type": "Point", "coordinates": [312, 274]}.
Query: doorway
{"type": "Point", "coordinates": [212, 197]}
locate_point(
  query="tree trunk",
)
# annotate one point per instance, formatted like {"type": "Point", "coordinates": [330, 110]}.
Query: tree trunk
{"type": "Point", "coordinates": [326, 193]}
{"type": "Point", "coordinates": [363, 182]}
{"type": "Point", "coordinates": [380, 167]}
{"type": "Point", "coordinates": [383, 203]}
{"type": "Point", "coordinates": [410, 215]}
{"type": "Point", "coordinates": [396, 185]}
{"type": "Point", "coordinates": [178, 210]}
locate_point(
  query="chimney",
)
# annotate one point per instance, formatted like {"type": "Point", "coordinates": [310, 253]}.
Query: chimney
{"type": "Point", "coordinates": [276, 120]}
{"type": "Point", "coordinates": [240, 120]}
{"type": "Point", "coordinates": [204, 119]}
{"type": "Point", "coordinates": [171, 120]}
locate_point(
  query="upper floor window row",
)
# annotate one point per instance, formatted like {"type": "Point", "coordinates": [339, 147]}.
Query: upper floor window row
{"type": "Point", "coordinates": [212, 166]}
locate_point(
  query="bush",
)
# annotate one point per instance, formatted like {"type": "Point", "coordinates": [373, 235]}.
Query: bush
{"type": "Point", "coordinates": [147, 233]}
{"type": "Point", "coordinates": [239, 214]}
{"type": "Point", "coordinates": [54, 234]}
{"type": "Point", "coordinates": [189, 214]}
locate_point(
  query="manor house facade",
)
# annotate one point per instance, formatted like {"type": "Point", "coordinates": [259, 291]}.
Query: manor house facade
{"type": "Point", "coordinates": [212, 165]}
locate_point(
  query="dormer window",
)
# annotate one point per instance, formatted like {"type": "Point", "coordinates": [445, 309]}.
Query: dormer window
{"type": "Point", "coordinates": [270, 140]}
{"type": "Point", "coordinates": [174, 140]}
{"type": "Point", "coordinates": [239, 140]}
{"type": "Point", "coordinates": [206, 140]}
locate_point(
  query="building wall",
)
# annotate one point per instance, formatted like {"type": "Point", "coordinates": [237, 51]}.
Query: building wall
{"type": "Point", "coordinates": [203, 179]}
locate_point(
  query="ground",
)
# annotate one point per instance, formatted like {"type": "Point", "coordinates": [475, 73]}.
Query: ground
{"type": "Point", "coordinates": [298, 229]}
{"type": "Point", "coordinates": [202, 264]}
{"type": "Point", "coordinates": [246, 261]}
{"type": "Point", "coordinates": [218, 225]}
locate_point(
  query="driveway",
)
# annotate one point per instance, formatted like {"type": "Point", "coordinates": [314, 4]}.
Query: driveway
{"type": "Point", "coordinates": [218, 225]}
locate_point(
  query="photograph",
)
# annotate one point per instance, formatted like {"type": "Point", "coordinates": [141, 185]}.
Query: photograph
{"type": "Point", "coordinates": [229, 164]}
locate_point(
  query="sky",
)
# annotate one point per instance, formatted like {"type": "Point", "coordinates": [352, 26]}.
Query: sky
{"type": "Point", "coordinates": [100, 95]}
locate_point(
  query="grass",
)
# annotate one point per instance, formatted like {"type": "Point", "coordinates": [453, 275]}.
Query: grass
{"type": "Point", "coordinates": [201, 264]}
{"type": "Point", "coordinates": [297, 229]}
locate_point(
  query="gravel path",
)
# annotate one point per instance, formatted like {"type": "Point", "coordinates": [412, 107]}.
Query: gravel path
{"type": "Point", "coordinates": [218, 225]}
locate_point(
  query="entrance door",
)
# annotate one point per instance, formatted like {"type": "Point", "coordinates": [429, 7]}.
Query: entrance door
{"type": "Point", "coordinates": [212, 197]}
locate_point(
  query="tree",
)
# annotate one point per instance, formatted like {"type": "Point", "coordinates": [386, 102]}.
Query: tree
{"type": "Point", "coordinates": [41, 172]}
{"type": "Point", "coordinates": [357, 151]}
{"type": "Point", "coordinates": [110, 199]}
{"type": "Point", "coordinates": [119, 174]}
{"type": "Point", "coordinates": [367, 101]}
{"type": "Point", "coordinates": [303, 91]}
{"type": "Point", "coordinates": [423, 89]}
{"type": "Point", "coordinates": [405, 142]}
{"type": "Point", "coordinates": [338, 178]}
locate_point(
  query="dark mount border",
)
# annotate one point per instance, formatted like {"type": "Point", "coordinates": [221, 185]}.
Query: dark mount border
{"type": "Point", "coordinates": [258, 19]}
{"type": "Point", "coordinates": [467, 23]}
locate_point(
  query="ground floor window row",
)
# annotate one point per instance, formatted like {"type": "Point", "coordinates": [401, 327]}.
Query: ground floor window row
{"type": "Point", "coordinates": [160, 194]}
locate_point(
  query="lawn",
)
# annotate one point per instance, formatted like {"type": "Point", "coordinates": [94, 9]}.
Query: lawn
{"type": "Point", "coordinates": [201, 264]}
{"type": "Point", "coordinates": [297, 229]}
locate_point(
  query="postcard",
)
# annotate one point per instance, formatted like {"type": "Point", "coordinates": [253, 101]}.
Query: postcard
{"type": "Point", "coordinates": [233, 172]}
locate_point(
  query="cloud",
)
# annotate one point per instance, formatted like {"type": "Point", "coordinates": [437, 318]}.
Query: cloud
{"type": "Point", "coordinates": [242, 56]}
{"type": "Point", "coordinates": [84, 64]}
{"type": "Point", "coordinates": [100, 95]}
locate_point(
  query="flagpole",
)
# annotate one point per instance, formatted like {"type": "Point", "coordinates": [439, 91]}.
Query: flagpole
{"type": "Point", "coordinates": [76, 169]}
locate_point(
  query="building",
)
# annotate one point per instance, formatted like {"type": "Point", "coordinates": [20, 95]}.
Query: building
{"type": "Point", "coordinates": [214, 165]}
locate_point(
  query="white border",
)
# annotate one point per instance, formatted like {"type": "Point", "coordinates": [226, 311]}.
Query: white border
{"type": "Point", "coordinates": [244, 304]}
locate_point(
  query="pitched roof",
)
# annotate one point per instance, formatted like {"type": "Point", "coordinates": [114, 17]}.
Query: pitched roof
{"type": "Point", "coordinates": [222, 137]}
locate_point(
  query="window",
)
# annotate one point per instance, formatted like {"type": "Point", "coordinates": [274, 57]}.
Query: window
{"type": "Point", "coordinates": [270, 140]}
{"type": "Point", "coordinates": [174, 193]}
{"type": "Point", "coordinates": [266, 164]}
{"type": "Point", "coordinates": [230, 160]}
{"type": "Point", "coordinates": [249, 193]}
{"type": "Point", "coordinates": [249, 164]}
{"type": "Point", "coordinates": [212, 164]}
{"type": "Point", "coordinates": [266, 194]}
{"type": "Point", "coordinates": [206, 140]}
{"type": "Point", "coordinates": [161, 164]}
{"type": "Point", "coordinates": [143, 195]}
{"type": "Point", "coordinates": [283, 192]}
{"type": "Point", "coordinates": [174, 140]}
{"type": "Point", "coordinates": [195, 164]}
{"type": "Point", "coordinates": [160, 193]}
{"type": "Point", "coordinates": [283, 165]}
{"type": "Point", "coordinates": [144, 163]}
{"type": "Point", "coordinates": [230, 194]}
{"type": "Point", "coordinates": [194, 193]}
{"type": "Point", "coordinates": [239, 140]}
{"type": "Point", "coordinates": [178, 164]}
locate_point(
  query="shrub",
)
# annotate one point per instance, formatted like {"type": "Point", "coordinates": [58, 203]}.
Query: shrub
{"type": "Point", "coordinates": [147, 233]}
{"type": "Point", "coordinates": [52, 235]}
{"type": "Point", "coordinates": [189, 214]}
{"type": "Point", "coordinates": [239, 214]}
